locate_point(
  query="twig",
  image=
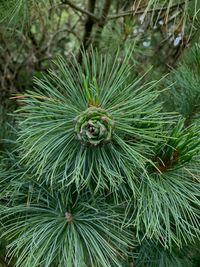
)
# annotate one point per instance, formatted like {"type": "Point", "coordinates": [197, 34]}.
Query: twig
{"type": "Point", "coordinates": [88, 29]}
{"type": "Point", "coordinates": [83, 11]}
{"type": "Point", "coordinates": [137, 12]}
{"type": "Point", "coordinates": [103, 19]}
{"type": "Point", "coordinates": [105, 11]}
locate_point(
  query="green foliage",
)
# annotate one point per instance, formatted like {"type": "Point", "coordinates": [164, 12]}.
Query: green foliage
{"type": "Point", "coordinates": [151, 254]}
{"type": "Point", "coordinates": [17, 12]}
{"type": "Point", "coordinates": [98, 166]}
{"type": "Point", "coordinates": [47, 229]}
{"type": "Point", "coordinates": [185, 91]}
{"type": "Point", "coordinates": [7, 132]}
{"type": "Point", "coordinates": [168, 207]}
{"type": "Point", "coordinates": [54, 119]}
{"type": "Point", "coordinates": [102, 172]}
{"type": "Point", "coordinates": [84, 130]}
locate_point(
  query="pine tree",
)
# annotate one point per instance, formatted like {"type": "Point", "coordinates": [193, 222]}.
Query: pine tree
{"type": "Point", "coordinates": [100, 159]}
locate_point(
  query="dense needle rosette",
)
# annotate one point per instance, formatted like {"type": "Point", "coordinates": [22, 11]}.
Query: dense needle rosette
{"type": "Point", "coordinates": [91, 125]}
{"type": "Point", "coordinates": [94, 127]}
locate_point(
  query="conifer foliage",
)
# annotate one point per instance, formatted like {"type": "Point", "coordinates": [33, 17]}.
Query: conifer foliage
{"type": "Point", "coordinates": [80, 123]}
{"type": "Point", "coordinates": [99, 166]}
{"type": "Point", "coordinates": [100, 161]}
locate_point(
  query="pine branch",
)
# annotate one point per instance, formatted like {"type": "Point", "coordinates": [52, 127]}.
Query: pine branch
{"type": "Point", "coordinates": [100, 128]}
{"type": "Point", "coordinates": [50, 230]}
{"type": "Point", "coordinates": [169, 202]}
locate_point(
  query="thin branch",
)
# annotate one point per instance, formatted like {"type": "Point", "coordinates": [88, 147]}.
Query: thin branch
{"type": "Point", "coordinates": [137, 12]}
{"type": "Point", "coordinates": [83, 11]}
{"type": "Point", "coordinates": [106, 9]}
{"type": "Point", "coordinates": [103, 19]}
{"type": "Point", "coordinates": [88, 28]}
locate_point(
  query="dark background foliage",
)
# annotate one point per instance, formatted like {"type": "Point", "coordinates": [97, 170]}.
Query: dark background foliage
{"type": "Point", "coordinates": [32, 33]}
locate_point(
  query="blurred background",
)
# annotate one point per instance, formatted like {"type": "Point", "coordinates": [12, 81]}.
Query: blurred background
{"type": "Point", "coordinates": [34, 32]}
